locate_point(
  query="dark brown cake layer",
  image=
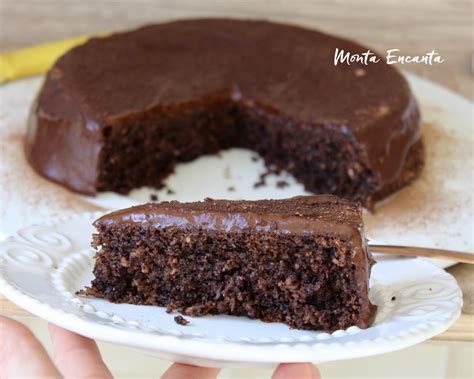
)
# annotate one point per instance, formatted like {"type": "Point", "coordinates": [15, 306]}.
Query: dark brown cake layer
{"type": "Point", "coordinates": [118, 112]}
{"type": "Point", "coordinates": [302, 261]}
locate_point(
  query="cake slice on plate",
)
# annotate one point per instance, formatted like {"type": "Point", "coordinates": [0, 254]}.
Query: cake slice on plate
{"type": "Point", "coordinates": [301, 261]}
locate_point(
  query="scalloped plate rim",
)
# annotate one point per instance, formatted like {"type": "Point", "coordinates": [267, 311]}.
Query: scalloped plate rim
{"type": "Point", "coordinates": [203, 351]}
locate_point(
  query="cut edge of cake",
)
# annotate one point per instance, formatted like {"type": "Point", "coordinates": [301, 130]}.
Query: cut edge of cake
{"type": "Point", "coordinates": [301, 261]}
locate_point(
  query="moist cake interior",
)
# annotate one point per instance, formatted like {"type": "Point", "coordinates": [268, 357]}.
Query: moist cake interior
{"type": "Point", "coordinates": [301, 261]}
{"type": "Point", "coordinates": [325, 158]}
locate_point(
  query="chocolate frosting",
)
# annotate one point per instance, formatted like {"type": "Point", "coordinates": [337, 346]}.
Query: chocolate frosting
{"type": "Point", "coordinates": [283, 69]}
{"type": "Point", "coordinates": [326, 214]}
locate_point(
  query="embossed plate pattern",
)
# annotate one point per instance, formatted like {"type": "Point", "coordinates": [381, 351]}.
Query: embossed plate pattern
{"type": "Point", "coordinates": [43, 266]}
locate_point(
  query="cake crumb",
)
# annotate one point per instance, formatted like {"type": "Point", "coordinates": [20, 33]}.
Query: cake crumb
{"type": "Point", "coordinates": [254, 158]}
{"type": "Point", "coordinates": [271, 169]}
{"type": "Point", "coordinates": [180, 320]}
{"type": "Point", "coordinates": [394, 298]}
{"type": "Point", "coordinates": [231, 189]}
{"type": "Point", "coordinates": [262, 181]}
{"type": "Point", "coordinates": [170, 308]}
{"type": "Point", "coordinates": [282, 184]}
{"type": "Point", "coordinates": [259, 183]}
{"type": "Point", "coordinates": [169, 191]}
{"type": "Point", "coordinates": [154, 197]}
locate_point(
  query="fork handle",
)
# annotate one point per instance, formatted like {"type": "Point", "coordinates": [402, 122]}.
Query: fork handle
{"type": "Point", "coordinates": [411, 251]}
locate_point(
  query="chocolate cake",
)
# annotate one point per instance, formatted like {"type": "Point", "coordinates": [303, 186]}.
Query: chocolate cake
{"type": "Point", "coordinates": [120, 111]}
{"type": "Point", "coordinates": [301, 261]}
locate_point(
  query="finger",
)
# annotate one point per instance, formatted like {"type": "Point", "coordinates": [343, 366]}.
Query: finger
{"type": "Point", "coordinates": [181, 371]}
{"type": "Point", "coordinates": [296, 371]}
{"type": "Point", "coordinates": [21, 354]}
{"type": "Point", "coordinates": [77, 356]}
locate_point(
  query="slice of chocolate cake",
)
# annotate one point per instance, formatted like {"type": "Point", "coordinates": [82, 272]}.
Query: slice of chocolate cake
{"type": "Point", "coordinates": [302, 261]}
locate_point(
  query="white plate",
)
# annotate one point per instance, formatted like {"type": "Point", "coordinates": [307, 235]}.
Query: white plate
{"type": "Point", "coordinates": [42, 267]}
{"type": "Point", "coordinates": [436, 211]}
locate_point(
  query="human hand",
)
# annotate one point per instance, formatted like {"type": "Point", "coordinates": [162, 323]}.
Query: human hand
{"type": "Point", "coordinates": [21, 355]}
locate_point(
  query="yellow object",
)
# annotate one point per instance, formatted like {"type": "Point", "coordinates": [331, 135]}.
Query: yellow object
{"type": "Point", "coordinates": [34, 60]}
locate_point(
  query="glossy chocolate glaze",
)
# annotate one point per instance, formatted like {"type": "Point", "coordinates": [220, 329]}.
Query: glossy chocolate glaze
{"type": "Point", "coordinates": [326, 214]}
{"type": "Point", "coordinates": [280, 69]}
{"type": "Point", "coordinates": [319, 215]}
